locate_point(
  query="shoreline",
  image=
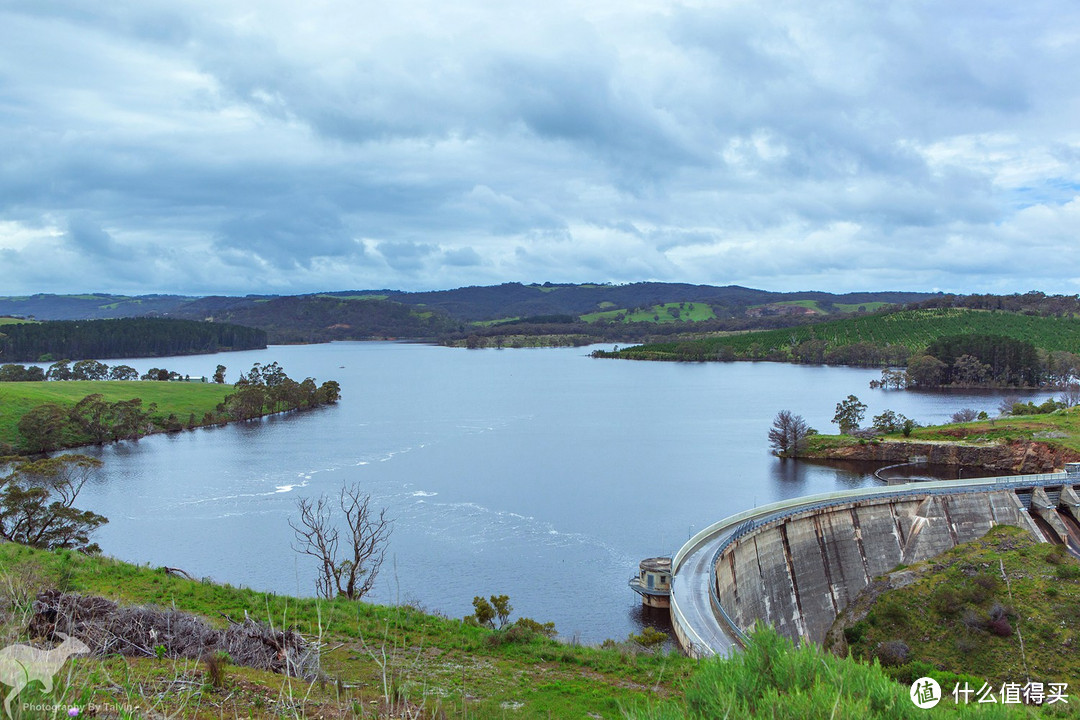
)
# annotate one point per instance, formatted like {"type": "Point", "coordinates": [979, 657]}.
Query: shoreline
{"type": "Point", "coordinates": [1016, 456]}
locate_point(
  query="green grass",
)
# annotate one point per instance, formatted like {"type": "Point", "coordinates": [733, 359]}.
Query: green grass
{"type": "Point", "coordinates": [864, 307]}
{"type": "Point", "coordinates": [1060, 429]}
{"type": "Point", "coordinates": [773, 680]}
{"type": "Point", "coordinates": [942, 616]}
{"type": "Point", "coordinates": [447, 668]}
{"type": "Point", "coordinates": [14, 321]}
{"type": "Point", "coordinates": [433, 661]}
{"type": "Point", "coordinates": [497, 321]}
{"type": "Point", "coordinates": [1057, 429]}
{"type": "Point", "coordinates": [17, 398]}
{"type": "Point", "coordinates": [811, 304]}
{"type": "Point", "coordinates": [687, 311]}
{"type": "Point", "coordinates": [913, 329]}
{"type": "Point", "coordinates": [356, 296]}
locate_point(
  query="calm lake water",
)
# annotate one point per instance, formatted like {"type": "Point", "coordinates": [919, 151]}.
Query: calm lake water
{"type": "Point", "coordinates": [542, 474]}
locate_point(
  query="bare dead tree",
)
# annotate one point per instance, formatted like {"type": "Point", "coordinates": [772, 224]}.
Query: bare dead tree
{"type": "Point", "coordinates": [1070, 394]}
{"type": "Point", "coordinates": [349, 558]}
{"type": "Point", "coordinates": [788, 434]}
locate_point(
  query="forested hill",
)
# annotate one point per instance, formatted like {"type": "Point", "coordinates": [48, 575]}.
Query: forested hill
{"type": "Point", "coordinates": [91, 306]}
{"type": "Point", "coordinates": [887, 338]}
{"type": "Point", "coordinates": [468, 304]}
{"type": "Point", "coordinates": [514, 300]}
{"type": "Point", "coordinates": [128, 337]}
{"type": "Point", "coordinates": [303, 319]}
{"type": "Point", "coordinates": [589, 312]}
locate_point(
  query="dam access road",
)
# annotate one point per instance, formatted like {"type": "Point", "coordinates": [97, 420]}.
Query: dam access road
{"type": "Point", "coordinates": [797, 563]}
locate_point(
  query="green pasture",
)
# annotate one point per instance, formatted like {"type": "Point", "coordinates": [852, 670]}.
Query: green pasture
{"type": "Point", "coordinates": [181, 398]}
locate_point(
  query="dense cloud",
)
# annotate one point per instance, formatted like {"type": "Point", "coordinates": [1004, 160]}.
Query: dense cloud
{"type": "Point", "coordinates": [242, 146]}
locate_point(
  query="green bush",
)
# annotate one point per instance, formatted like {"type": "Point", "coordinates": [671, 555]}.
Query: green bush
{"type": "Point", "coordinates": [773, 679]}
{"type": "Point", "coordinates": [1067, 572]}
{"type": "Point", "coordinates": [855, 633]}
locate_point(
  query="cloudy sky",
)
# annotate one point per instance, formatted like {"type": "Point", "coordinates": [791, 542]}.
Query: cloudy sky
{"type": "Point", "coordinates": [244, 146]}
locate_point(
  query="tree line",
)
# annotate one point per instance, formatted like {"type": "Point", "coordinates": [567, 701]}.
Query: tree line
{"type": "Point", "coordinates": [266, 389]}
{"type": "Point", "coordinates": [127, 337]}
{"type": "Point", "coordinates": [1009, 349]}
{"type": "Point", "coordinates": [90, 370]}
{"type": "Point", "coordinates": [1029, 303]}
{"type": "Point", "coordinates": [95, 420]}
{"type": "Point", "coordinates": [983, 361]}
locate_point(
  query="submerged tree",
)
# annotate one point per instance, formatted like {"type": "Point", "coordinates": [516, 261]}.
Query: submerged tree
{"type": "Point", "coordinates": [788, 434]}
{"type": "Point", "coordinates": [349, 561]}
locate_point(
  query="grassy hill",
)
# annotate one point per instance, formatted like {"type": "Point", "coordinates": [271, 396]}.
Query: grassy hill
{"type": "Point", "coordinates": [967, 609]}
{"type": "Point", "coordinates": [912, 330]}
{"type": "Point", "coordinates": [666, 313]}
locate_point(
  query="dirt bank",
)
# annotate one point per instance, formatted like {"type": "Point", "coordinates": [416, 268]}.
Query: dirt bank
{"type": "Point", "coordinates": [1021, 456]}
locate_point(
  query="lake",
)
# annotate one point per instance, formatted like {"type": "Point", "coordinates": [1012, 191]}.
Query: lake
{"type": "Point", "coordinates": [542, 474]}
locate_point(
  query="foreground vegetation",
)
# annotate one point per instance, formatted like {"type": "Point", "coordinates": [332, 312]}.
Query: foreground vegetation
{"type": "Point", "coordinates": [379, 661]}
{"type": "Point", "coordinates": [772, 679]}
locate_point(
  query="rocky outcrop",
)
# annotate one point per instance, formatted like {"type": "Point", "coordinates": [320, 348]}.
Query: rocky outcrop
{"type": "Point", "coordinates": [1014, 457]}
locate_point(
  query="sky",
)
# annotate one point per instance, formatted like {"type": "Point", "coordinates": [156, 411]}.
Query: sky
{"type": "Point", "coordinates": [242, 146]}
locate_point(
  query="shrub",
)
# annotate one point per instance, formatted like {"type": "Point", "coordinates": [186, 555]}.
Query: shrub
{"type": "Point", "coordinates": [947, 601]}
{"type": "Point", "coordinates": [892, 653]}
{"type": "Point", "coordinates": [215, 668]}
{"type": "Point", "coordinates": [967, 645]}
{"type": "Point", "coordinates": [545, 629]}
{"type": "Point", "coordinates": [649, 637]}
{"type": "Point", "coordinates": [964, 415]}
{"type": "Point", "coordinates": [893, 612]}
{"type": "Point", "coordinates": [971, 620]}
{"type": "Point", "coordinates": [998, 623]}
{"type": "Point", "coordinates": [855, 633]}
{"type": "Point", "coordinates": [1068, 572]}
{"type": "Point", "coordinates": [987, 582]}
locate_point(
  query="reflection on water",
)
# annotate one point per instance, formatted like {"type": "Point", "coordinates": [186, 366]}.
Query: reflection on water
{"type": "Point", "coordinates": [541, 474]}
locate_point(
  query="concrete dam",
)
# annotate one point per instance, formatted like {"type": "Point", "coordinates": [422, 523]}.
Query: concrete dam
{"type": "Point", "coordinates": [797, 564]}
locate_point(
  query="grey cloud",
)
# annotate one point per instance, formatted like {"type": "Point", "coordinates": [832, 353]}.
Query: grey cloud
{"type": "Point", "coordinates": [462, 257]}
{"type": "Point", "coordinates": [291, 234]}
{"type": "Point", "coordinates": [771, 143]}
{"type": "Point", "coordinates": [404, 256]}
{"type": "Point", "coordinates": [87, 237]}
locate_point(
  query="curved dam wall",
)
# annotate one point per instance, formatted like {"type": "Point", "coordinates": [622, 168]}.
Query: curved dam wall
{"type": "Point", "coordinates": [799, 571]}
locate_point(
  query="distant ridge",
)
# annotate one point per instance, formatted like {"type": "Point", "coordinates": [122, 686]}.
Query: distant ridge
{"type": "Point", "coordinates": [468, 304]}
